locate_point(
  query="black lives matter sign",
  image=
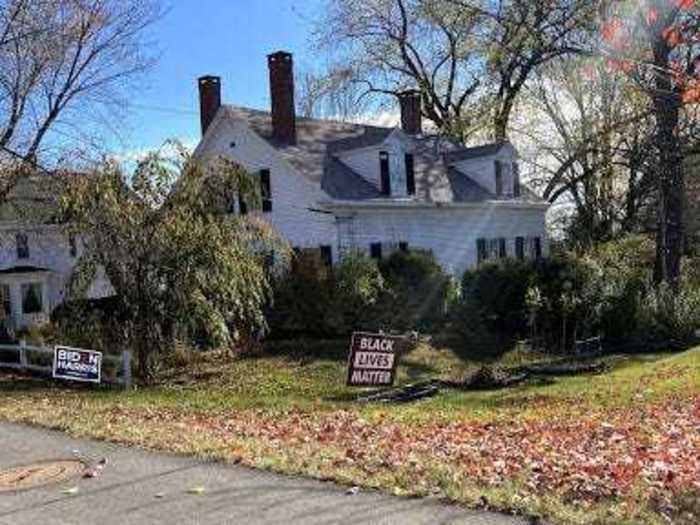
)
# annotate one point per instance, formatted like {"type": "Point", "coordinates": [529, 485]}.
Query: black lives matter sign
{"type": "Point", "coordinates": [373, 359]}
{"type": "Point", "coordinates": [75, 364]}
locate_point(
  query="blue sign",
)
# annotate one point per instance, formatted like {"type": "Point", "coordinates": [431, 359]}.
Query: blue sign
{"type": "Point", "coordinates": [75, 364]}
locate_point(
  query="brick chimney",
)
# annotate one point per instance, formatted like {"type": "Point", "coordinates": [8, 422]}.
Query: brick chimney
{"type": "Point", "coordinates": [209, 100]}
{"type": "Point", "coordinates": [411, 118]}
{"type": "Point", "coordinates": [284, 126]}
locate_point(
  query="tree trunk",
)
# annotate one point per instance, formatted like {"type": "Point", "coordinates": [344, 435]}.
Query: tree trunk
{"type": "Point", "coordinates": [669, 242]}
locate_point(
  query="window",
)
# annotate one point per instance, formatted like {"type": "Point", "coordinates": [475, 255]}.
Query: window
{"type": "Point", "coordinates": [499, 178]}
{"type": "Point", "coordinates": [520, 247]}
{"type": "Point", "coordinates": [385, 175]}
{"type": "Point", "coordinates": [22, 246]}
{"type": "Point", "coordinates": [538, 248]}
{"type": "Point", "coordinates": [375, 250]}
{"type": "Point", "coordinates": [516, 180]}
{"type": "Point", "coordinates": [534, 248]}
{"type": "Point", "coordinates": [242, 205]}
{"type": "Point", "coordinates": [410, 175]}
{"type": "Point", "coordinates": [327, 256]}
{"type": "Point", "coordinates": [403, 246]}
{"type": "Point", "coordinates": [481, 253]}
{"type": "Point", "coordinates": [266, 191]}
{"type": "Point", "coordinates": [73, 246]}
{"type": "Point", "coordinates": [6, 299]}
{"type": "Point", "coordinates": [491, 249]}
{"type": "Point", "coordinates": [32, 298]}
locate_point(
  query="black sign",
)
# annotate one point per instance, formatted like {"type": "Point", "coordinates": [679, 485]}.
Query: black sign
{"type": "Point", "coordinates": [373, 359]}
{"type": "Point", "coordinates": [75, 364]}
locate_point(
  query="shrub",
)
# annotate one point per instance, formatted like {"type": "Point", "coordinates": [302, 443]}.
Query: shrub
{"type": "Point", "coordinates": [418, 291]}
{"type": "Point", "coordinates": [407, 291]}
{"type": "Point", "coordinates": [89, 323]}
{"type": "Point", "coordinates": [303, 300]}
{"type": "Point", "coordinates": [672, 314]}
{"type": "Point", "coordinates": [311, 300]}
{"type": "Point", "coordinates": [359, 286]}
{"type": "Point", "coordinates": [496, 293]}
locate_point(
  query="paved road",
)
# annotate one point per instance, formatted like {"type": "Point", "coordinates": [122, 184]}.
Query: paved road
{"type": "Point", "coordinates": [127, 492]}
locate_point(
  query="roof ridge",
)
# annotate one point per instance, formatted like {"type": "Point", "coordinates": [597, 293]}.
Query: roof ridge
{"type": "Point", "coordinates": [358, 125]}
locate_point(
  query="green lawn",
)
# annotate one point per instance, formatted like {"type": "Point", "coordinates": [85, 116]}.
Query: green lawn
{"type": "Point", "coordinates": [618, 447]}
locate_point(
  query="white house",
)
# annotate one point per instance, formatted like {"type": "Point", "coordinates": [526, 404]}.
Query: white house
{"type": "Point", "coordinates": [37, 255]}
{"type": "Point", "coordinates": [335, 186]}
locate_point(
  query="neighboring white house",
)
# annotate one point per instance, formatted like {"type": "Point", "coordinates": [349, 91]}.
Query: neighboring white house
{"type": "Point", "coordinates": [336, 186]}
{"type": "Point", "coordinates": [37, 255]}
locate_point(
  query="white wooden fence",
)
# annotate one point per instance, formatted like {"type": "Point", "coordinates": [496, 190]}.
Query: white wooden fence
{"type": "Point", "coordinates": [43, 363]}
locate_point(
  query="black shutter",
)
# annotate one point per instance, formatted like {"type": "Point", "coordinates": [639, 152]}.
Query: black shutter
{"type": "Point", "coordinates": [266, 191]}
{"type": "Point", "coordinates": [502, 252]}
{"type": "Point", "coordinates": [516, 180]}
{"type": "Point", "coordinates": [481, 250]}
{"type": "Point", "coordinates": [73, 245]}
{"type": "Point", "coordinates": [410, 175]}
{"type": "Point", "coordinates": [242, 205]}
{"type": "Point", "coordinates": [375, 250]}
{"type": "Point", "coordinates": [538, 248]}
{"type": "Point", "coordinates": [22, 246]}
{"type": "Point", "coordinates": [520, 247]}
{"type": "Point", "coordinates": [384, 173]}
{"type": "Point", "coordinates": [499, 178]}
{"type": "Point", "coordinates": [327, 256]}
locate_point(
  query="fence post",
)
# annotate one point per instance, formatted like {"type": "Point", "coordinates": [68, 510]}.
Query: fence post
{"type": "Point", "coordinates": [126, 368]}
{"type": "Point", "coordinates": [23, 354]}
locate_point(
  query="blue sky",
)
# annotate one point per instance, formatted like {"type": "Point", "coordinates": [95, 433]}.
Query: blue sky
{"type": "Point", "coordinates": [229, 38]}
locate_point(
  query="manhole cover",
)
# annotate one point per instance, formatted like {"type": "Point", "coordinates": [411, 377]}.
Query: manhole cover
{"type": "Point", "coordinates": [39, 475]}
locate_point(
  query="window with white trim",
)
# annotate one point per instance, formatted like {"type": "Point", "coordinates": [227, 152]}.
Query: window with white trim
{"type": "Point", "coordinates": [32, 298]}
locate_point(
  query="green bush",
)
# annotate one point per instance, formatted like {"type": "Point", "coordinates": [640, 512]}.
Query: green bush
{"type": "Point", "coordinates": [571, 296]}
{"type": "Point", "coordinates": [407, 291]}
{"type": "Point", "coordinates": [316, 301]}
{"type": "Point", "coordinates": [304, 301]}
{"type": "Point", "coordinates": [89, 323]}
{"type": "Point", "coordinates": [358, 288]}
{"type": "Point", "coordinates": [495, 292]}
{"type": "Point", "coordinates": [418, 292]}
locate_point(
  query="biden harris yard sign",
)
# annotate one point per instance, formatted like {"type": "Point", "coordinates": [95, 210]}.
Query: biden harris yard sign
{"type": "Point", "coordinates": [373, 359]}
{"type": "Point", "coordinates": [75, 364]}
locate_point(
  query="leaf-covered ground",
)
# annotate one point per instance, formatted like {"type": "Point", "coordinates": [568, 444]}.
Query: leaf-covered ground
{"type": "Point", "coordinates": [618, 447]}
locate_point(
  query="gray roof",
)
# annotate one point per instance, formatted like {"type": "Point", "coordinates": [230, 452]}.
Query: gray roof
{"type": "Point", "coordinates": [34, 198]}
{"type": "Point", "coordinates": [341, 182]}
{"type": "Point", "coordinates": [320, 141]}
{"type": "Point", "coordinates": [475, 152]}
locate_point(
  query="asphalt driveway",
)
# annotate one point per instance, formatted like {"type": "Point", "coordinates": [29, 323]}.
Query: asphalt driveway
{"type": "Point", "coordinates": [146, 488]}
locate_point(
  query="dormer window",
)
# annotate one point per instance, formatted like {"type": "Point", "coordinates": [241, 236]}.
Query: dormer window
{"type": "Point", "coordinates": [516, 180]}
{"type": "Point", "coordinates": [385, 175]}
{"type": "Point", "coordinates": [410, 175]}
{"type": "Point", "coordinates": [499, 178]}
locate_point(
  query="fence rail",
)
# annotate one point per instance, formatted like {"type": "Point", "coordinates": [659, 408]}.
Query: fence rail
{"type": "Point", "coordinates": [23, 362]}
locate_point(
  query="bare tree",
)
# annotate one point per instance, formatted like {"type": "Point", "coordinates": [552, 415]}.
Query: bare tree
{"type": "Point", "coordinates": [519, 36]}
{"type": "Point", "coordinates": [390, 46]}
{"type": "Point", "coordinates": [62, 59]}
{"type": "Point", "coordinates": [591, 132]}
